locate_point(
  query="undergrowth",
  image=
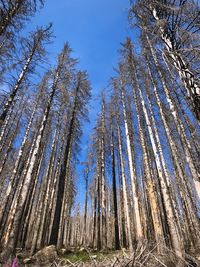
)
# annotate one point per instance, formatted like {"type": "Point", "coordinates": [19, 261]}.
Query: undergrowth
{"type": "Point", "coordinates": [84, 255]}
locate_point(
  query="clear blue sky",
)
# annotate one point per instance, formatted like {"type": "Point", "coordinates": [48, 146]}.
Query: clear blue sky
{"type": "Point", "coordinates": [94, 30]}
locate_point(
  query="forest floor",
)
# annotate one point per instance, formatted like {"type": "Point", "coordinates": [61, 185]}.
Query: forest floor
{"type": "Point", "coordinates": [141, 257]}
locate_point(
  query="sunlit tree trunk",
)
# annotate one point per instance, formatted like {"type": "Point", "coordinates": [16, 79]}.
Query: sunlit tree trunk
{"type": "Point", "coordinates": [149, 180]}
{"type": "Point", "coordinates": [18, 161]}
{"type": "Point", "coordinates": [35, 46]}
{"type": "Point", "coordinates": [174, 233]}
{"type": "Point", "coordinates": [124, 188]}
{"type": "Point", "coordinates": [103, 186]}
{"type": "Point", "coordinates": [16, 212]}
{"type": "Point", "coordinates": [179, 125]}
{"type": "Point", "coordinates": [182, 179]}
{"type": "Point", "coordinates": [139, 233]}
{"type": "Point", "coordinates": [188, 78]}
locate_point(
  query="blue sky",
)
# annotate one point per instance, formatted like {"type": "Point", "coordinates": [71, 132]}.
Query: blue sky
{"type": "Point", "coordinates": [94, 30]}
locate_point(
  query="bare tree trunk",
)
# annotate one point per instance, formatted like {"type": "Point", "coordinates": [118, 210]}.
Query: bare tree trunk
{"type": "Point", "coordinates": [94, 212]}
{"type": "Point", "coordinates": [117, 242]}
{"type": "Point", "coordinates": [124, 188]}
{"type": "Point", "coordinates": [174, 234]}
{"type": "Point", "coordinates": [99, 241]}
{"type": "Point", "coordinates": [11, 203]}
{"type": "Point", "coordinates": [86, 206]}
{"type": "Point", "coordinates": [182, 180]}
{"type": "Point", "coordinates": [16, 212]}
{"type": "Point", "coordinates": [188, 78]}
{"type": "Point", "coordinates": [149, 179]}
{"type": "Point", "coordinates": [122, 220]}
{"type": "Point", "coordinates": [103, 198]}
{"type": "Point", "coordinates": [35, 45]}
{"type": "Point", "coordinates": [17, 162]}
{"type": "Point", "coordinates": [8, 16]}
{"type": "Point", "coordinates": [42, 203]}
{"type": "Point", "coordinates": [179, 125]}
{"type": "Point", "coordinates": [139, 233]}
{"type": "Point", "coordinates": [63, 172]}
{"type": "Point", "coordinates": [26, 214]}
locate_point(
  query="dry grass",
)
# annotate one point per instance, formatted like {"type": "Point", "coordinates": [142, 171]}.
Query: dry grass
{"type": "Point", "coordinates": [142, 257]}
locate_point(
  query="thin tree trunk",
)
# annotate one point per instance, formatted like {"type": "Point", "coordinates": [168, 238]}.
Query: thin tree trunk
{"type": "Point", "coordinates": [124, 187]}
{"type": "Point", "coordinates": [116, 223]}
{"type": "Point", "coordinates": [103, 198]}
{"type": "Point", "coordinates": [86, 207]}
{"type": "Point", "coordinates": [139, 233]}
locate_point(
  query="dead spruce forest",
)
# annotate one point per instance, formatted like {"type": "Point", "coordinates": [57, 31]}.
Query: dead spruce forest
{"type": "Point", "coordinates": [141, 178]}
